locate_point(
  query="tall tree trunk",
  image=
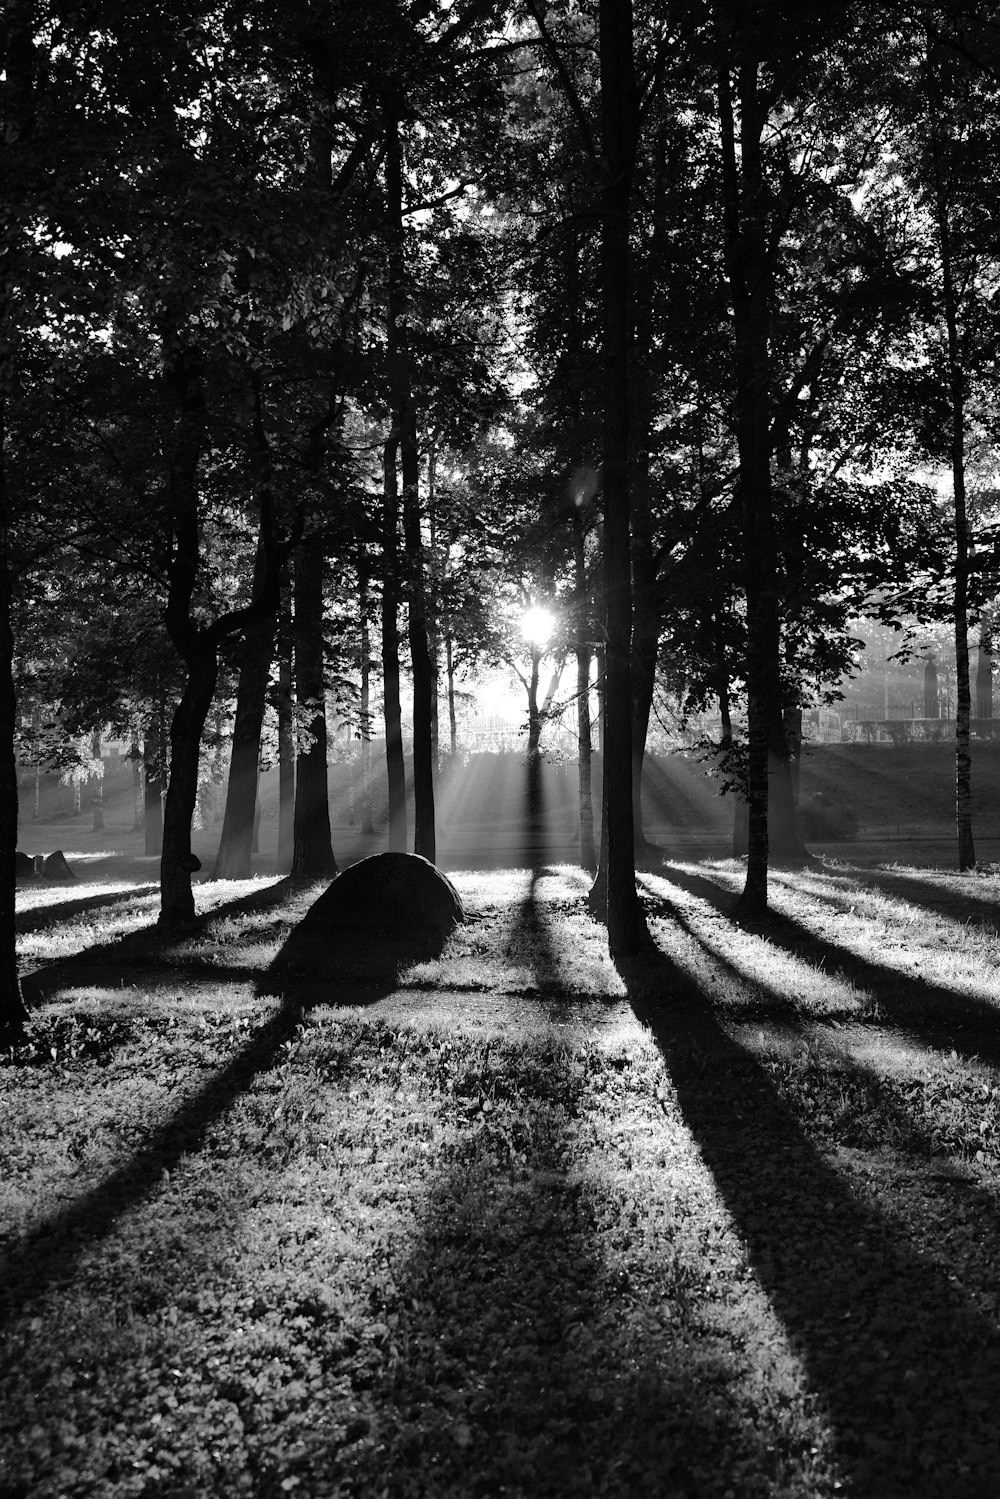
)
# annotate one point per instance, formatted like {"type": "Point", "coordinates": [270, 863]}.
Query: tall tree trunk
{"type": "Point", "coordinates": [18, 100]}
{"type": "Point", "coordinates": [394, 764]}
{"type": "Point", "coordinates": [98, 793]}
{"type": "Point", "coordinates": [238, 841]}
{"type": "Point", "coordinates": [534, 756]}
{"type": "Point", "coordinates": [312, 858]}
{"type": "Point", "coordinates": [286, 738]}
{"type": "Point", "coordinates": [367, 825]}
{"type": "Point", "coordinates": [648, 593]}
{"type": "Point", "coordinates": [619, 130]}
{"type": "Point", "coordinates": [645, 651]}
{"type": "Point", "coordinates": [183, 384]}
{"type": "Point", "coordinates": [433, 612]}
{"type": "Point", "coordinates": [984, 671]}
{"type": "Point", "coordinates": [197, 645]}
{"type": "Point", "coordinates": [234, 858]}
{"type": "Point", "coordinates": [13, 1013]}
{"type": "Point", "coordinates": [176, 861]}
{"type": "Point", "coordinates": [135, 761]}
{"type": "Point", "coordinates": [956, 397]}
{"type": "Point", "coordinates": [449, 664]}
{"type": "Point", "coordinates": [750, 273]}
{"type": "Point", "coordinates": [584, 655]}
{"type": "Point", "coordinates": [404, 417]}
{"type": "Point", "coordinates": [932, 707]}
{"type": "Point", "coordinates": [153, 780]}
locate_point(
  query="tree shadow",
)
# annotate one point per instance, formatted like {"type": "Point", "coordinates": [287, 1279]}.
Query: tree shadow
{"type": "Point", "coordinates": [932, 1013]}
{"type": "Point", "coordinates": [49, 1253]}
{"type": "Point", "coordinates": [306, 971]}
{"type": "Point", "coordinates": [905, 1365]}
{"type": "Point", "coordinates": [145, 949]}
{"type": "Point", "coordinates": [40, 917]}
{"type": "Point", "coordinates": [521, 1363]}
{"type": "Point", "coordinates": [929, 896]}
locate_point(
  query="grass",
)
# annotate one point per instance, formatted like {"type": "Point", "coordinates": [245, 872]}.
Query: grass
{"type": "Point", "coordinates": [288, 1217]}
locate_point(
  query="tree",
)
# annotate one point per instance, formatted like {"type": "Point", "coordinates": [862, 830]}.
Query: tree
{"type": "Point", "coordinates": [619, 135]}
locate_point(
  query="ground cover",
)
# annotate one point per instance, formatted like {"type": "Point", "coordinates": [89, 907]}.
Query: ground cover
{"type": "Point", "coordinates": [285, 1217]}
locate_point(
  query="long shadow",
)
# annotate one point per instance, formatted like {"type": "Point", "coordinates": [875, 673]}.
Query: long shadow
{"type": "Point", "coordinates": [530, 939]}
{"type": "Point", "coordinates": [975, 910]}
{"type": "Point", "coordinates": [930, 1012]}
{"type": "Point", "coordinates": [524, 1357]}
{"type": "Point", "coordinates": [896, 1355]}
{"type": "Point", "coordinates": [145, 948]}
{"type": "Point", "coordinates": [48, 1254]}
{"type": "Point", "coordinates": [562, 1390]}
{"type": "Point", "coordinates": [41, 917]}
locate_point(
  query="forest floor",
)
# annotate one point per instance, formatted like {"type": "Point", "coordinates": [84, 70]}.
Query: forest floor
{"type": "Point", "coordinates": [341, 1218]}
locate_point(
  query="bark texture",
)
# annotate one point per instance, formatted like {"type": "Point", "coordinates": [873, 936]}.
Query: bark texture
{"type": "Point", "coordinates": [313, 857]}
{"type": "Point", "coordinates": [394, 763]}
{"type": "Point", "coordinates": [749, 271]}
{"type": "Point", "coordinates": [404, 421]}
{"type": "Point", "coordinates": [619, 127]}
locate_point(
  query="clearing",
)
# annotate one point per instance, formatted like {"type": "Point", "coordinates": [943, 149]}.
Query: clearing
{"type": "Point", "coordinates": [280, 1218]}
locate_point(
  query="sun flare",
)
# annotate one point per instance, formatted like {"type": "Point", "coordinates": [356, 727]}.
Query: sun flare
{"type": "Point", "coordinates": [538, 625]}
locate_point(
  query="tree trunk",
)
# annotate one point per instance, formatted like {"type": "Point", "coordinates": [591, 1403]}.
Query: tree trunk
{"type": "Point", "coordinates": [645, 651]}
{"type": "Point", "coordinates": [236, 841]}
{"type": "Point", "coordinates": [21, 23]}
{"type": "Point", "coordinates": [13, 1012]}
{"type": "Point", "coordinates": [367, 825]}
{"type": "Point", "coordinates": [956, 396]}
{"type": "Point", "coordinates": [931, 706]}
{"type": "Point", "coordinates": [286, 738]}
{"type": "Point", "coordinates": [176, 862]}
{"type": "Point", "coordinates": [135, 761]}
{"type": "Point", "coordinates": [750, 273]}
{"type": "Point", "coordinates": [984, 672]}
{"type": "Point", "coordinates": [394, 764]}
{"type": "Point", "coordinates": [647, 595]}
{"type": "Point", "coordinates": [619, 128]}
{"type": "Point", "coordinates": [312, 857]}
{"type": "Point", "coordinates": [534, 757]}
{"type": "Point", "coordinates": [449, 663]}
{"type": "Point", "coordinates": [234, 858]}
{"type": "Point", "coordinates": [198, 646]}
{"type": "Point", "coordinates": [433, 614]}
{"type": "Point", "coordinates": [98, 794]}
{"type": "Point", "coordinates": [153, 777]}
{"type": "Point", "coordinates": [404, 418]}
{"type": "Point", "coordinates": [585, 791]}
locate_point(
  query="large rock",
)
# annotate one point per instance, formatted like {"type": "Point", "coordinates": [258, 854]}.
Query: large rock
{"type": "Point", "coordinates": [56, 867]}
{"type": "Point", "coordinates": [24, 867]}
{"type": "Point", "coordinates": [402, 892]}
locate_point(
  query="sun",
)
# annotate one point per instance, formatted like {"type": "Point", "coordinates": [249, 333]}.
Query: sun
{"type": "Point", "coordinates": [538, 625]}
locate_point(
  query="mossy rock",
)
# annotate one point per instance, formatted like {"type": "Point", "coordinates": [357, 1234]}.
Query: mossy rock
{"type": "Point", "coordinates": [397, 892]}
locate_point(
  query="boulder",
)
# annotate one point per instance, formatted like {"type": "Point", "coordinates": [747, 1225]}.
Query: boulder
{"type": "Point", "coordinates": [24, 867]}
{"type": "Point", "coordinates": [401, 892]}
{"type": "Point", "coordinates": [56, 868]}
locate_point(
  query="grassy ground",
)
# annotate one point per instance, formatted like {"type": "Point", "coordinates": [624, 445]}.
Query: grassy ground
{"type": "Point", "coordinates": [286, 1216]}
